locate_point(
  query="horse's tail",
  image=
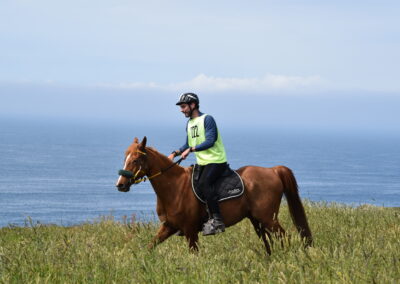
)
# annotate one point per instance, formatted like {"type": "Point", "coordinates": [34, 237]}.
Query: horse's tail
{"type": "Point", "coordinates": [295, 206]}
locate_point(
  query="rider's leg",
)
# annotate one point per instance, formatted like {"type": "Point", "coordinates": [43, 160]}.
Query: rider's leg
{"type": "Point", "coordinates": [210, 174]}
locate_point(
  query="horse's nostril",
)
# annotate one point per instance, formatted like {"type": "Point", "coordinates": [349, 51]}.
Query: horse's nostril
{"type": "Point", "coordinates": [122, 187]}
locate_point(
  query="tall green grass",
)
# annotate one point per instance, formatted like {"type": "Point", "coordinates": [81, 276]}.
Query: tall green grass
{"type": "Point", "coordinates": [351, 245]}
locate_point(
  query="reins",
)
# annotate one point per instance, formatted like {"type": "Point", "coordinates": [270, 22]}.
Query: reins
{"type": "Point", "coordinates": [132, 176]}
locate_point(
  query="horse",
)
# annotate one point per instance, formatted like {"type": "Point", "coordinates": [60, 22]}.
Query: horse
{"type": "Point", "coordinates": [181, 212]}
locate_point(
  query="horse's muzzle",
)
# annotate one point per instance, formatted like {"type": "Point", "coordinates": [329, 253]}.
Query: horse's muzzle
{"type": "Point", "coordinates": [123, 187]}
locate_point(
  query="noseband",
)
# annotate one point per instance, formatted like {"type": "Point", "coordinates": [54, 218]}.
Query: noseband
{"type": "Point", "coordinates": [133, 176]}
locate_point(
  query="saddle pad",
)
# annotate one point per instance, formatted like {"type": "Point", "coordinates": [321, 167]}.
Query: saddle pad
{"type": "Point", "coordinates": [229, 185]}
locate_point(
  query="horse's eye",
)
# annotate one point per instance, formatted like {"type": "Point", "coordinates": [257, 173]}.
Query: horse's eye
{"type": "Point", "coordinates": [135, 162]}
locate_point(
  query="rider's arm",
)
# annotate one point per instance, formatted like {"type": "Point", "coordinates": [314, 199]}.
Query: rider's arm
{"type": "Point", "coordinates": [211, 134]}
{"type": "Point", "coordinates": [185, 146]}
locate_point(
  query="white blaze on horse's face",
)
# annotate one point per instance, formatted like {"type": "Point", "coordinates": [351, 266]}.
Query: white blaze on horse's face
{"type": "Point", "coordinates": [125, 166]}
{"type": "Point", "coordinates": [126, 161]}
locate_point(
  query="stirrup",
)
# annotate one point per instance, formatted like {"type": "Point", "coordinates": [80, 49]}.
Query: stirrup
{"type": "Point", "coordinates": [213, 226]}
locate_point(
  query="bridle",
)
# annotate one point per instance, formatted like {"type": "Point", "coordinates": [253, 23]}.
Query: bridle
{"type": "Point", "coordinates": [133, 177]}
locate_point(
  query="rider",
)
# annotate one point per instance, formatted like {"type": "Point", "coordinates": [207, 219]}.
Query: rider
{"type": "Point", "coordinates": [204, 140]}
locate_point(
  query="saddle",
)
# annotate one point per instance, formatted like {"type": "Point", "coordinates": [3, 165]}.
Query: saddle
{"type": "Point", "coordinates": [229, 185]}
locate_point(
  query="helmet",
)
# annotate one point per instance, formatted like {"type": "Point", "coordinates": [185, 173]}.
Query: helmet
{"type": "Point", "coordinates": [188, 98]}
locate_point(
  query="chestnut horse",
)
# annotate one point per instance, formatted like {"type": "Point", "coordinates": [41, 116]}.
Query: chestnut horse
{"type": "Point", "coordinates": [179, 209]}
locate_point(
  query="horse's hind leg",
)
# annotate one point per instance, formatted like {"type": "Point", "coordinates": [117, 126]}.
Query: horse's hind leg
{"type": "Point", "coordinates": [277, 229]}
{"type": "Point", "coordinates": [256, 226]}
{"type": "Point", "coordinates": [261, 232]}
{"type": "Point", "coordinates": [273, 227]}
{"type": "Point", "coordinates": [163, 233]}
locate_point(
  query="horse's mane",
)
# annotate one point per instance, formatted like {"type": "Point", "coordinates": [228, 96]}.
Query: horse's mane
{"type": "Point", "coordinates": [163, 157]}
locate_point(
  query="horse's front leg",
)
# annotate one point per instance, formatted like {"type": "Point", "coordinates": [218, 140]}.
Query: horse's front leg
{"type": "Point", "coordinates": [160, 211]}
{"type": "Point", "coordinates": [164, 232]}
{"type": "Point", "coordinates": [192, 237]}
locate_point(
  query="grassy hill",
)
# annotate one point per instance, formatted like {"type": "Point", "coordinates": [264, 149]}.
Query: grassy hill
{"type": "Point", "coordinates": [352, 245]}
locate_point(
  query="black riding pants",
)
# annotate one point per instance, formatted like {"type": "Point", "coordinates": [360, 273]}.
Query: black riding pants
{"type": "Point", "coordinates": [209, 174]}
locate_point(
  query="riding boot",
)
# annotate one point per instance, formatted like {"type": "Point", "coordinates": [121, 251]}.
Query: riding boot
{"type": "Point", "coordinates": [214, 225]}
{"type": "Point", "coordinates": [208, 212]}
{"type": "Point", "coordinates": [218, 222]}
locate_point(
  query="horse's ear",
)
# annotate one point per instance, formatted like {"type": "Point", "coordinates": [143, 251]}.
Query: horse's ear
{"type": "Point", "coordinates": [136, 140]}
{"type": "Point", "coordinates": [143, 143]}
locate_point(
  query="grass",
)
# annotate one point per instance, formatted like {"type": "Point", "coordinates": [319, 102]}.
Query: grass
{"type": "Point", "coordinates": [352, 245]}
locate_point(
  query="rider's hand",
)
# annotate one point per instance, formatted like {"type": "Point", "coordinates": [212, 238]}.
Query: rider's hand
{"type": "Point", "coordinates": [173, 155]}
{"type": "Point", "coordinates": [185, 153]}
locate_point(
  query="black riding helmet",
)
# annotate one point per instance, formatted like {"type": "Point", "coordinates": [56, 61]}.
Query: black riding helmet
{"type": "Point", "coordinates": [188, 98]}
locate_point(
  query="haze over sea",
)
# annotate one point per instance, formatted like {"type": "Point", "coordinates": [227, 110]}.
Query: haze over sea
{"type": "Point", "coordinates": [63, 172]}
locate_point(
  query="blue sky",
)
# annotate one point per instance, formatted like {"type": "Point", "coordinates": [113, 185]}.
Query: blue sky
{"type": "Point", "coordinates": [323, 57]}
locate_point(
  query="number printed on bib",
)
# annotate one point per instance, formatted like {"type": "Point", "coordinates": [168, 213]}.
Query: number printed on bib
{"type": "Point", "coordinates": [194, 131]}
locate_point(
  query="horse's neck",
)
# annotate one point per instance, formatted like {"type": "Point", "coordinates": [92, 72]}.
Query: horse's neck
{"type": "Point", "coordinates": [167, 183]}
{"type": "Point", "coordinates": [158, 162]}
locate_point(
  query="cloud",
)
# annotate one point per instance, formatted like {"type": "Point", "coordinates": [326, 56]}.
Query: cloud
{"type": "Point", "coordinates": [202, 82]}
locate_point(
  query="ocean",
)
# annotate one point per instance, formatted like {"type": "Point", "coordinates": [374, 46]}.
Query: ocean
{"type": "Point", "coordinates": [64, 172]}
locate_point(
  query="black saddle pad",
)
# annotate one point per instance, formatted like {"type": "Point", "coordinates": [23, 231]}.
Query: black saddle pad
{"type": "Point", "coordinates": [229, 185]}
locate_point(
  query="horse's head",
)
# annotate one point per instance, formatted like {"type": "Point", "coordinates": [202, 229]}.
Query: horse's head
{"type": "Point", "coordinates": [135, 165]}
